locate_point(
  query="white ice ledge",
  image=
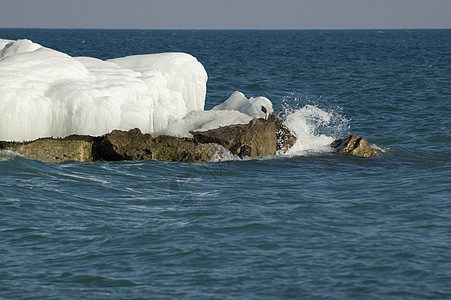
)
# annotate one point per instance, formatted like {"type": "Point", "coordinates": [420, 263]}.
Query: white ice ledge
{"type": "Point", "coordinates": [46, 93]}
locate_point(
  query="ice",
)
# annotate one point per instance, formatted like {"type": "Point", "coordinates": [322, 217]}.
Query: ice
{"type": "Point", "coordinates": [181, 72]}
{"type": "Point", "coordinates": [204, 120]}
{"type": "Point", "coordinates": [21, 46]}
{"type": "Point", "coordinates": [259, 107]}
{"type": "Point", "coordinates": [237, 109]}
{"type": "Point", "coordinates": [45, 93]}
{"type": "Point", "coordinates": [3, 43]}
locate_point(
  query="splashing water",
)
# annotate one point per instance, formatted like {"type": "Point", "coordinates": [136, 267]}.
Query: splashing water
{"type": "Point", "coordinates": [316, 128]}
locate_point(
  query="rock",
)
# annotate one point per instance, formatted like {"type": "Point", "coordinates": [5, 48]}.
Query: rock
{"type": "Point", "coordinates": [354, 145]}
{"type": "Point", "coordinates": [169, 148]}
{"type": "Point", "coordinates": [134, 145]}
{"type": "Point", "coordinates": [72, 148]}
{"type": "Point", "coordinates": [255, 139]}
{"type": "Point", "coordinates": [258, 138]}
{"type": "Point", "coordinates": [123, 145]}
{"type": "Point", "coordinates": [285, 138]}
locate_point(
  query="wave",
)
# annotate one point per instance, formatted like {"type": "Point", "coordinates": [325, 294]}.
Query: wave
{"type": "Point", "coordinates": [315, 127]}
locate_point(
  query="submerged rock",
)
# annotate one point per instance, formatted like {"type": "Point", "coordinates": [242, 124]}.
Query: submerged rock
{"type": "Point", "coordinates": [354, 145]}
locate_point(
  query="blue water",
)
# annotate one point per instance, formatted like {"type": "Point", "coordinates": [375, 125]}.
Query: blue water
{"type": "Point", "coordinates": [317, 226]}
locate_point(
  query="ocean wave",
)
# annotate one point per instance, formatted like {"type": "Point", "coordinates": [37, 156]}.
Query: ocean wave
{"type": "Point", "coordinates": [316, 127]}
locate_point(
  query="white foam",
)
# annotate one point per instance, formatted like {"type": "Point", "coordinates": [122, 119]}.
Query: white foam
{"type": "Point", "coordinates": [306, 123]}
{"type": "Point", "coordinates": [7, 154]}
{"type": "Point", "coordinates": [379, 148]}
{"type": "Point", "coordinates": [44, 92]}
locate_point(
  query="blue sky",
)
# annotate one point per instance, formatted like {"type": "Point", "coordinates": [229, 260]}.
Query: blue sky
{"type": "Point", "coordinates": [226, 14]}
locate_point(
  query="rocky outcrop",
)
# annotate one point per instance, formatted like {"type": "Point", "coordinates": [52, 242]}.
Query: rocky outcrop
{"type": "Point", "coordinates": [258, 138]}
{"type": "Point", "coordinates": [285, 138]}
{"type": "Point", "coordinates": [134, 145]}
{"type": "Point", "coordinates": [255, 139]}
{"type": "Point", "coordinates": [354, 145]}
{"type": "Point", "coordinates": [71, 148]}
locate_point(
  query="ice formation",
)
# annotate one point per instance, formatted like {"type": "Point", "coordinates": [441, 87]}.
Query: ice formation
{"type": "Point", "coordinates": [259, 107]}
{"type": "Point", "coordinates": [237, 109]}
{"type": "Point", "coordinates": [44, 92]}
{"type": "Point", "coordinates": [204, 120]}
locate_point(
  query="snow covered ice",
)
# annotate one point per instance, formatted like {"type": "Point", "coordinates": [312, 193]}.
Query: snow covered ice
{"type": "Point", "coordinates": [46, 93]}
{"type": "Point", "coordinates": [259, 107]}
{"type": "Point", "coordinates": [204, 120]}
{"type": "Point", "coordinates": [237, 109]}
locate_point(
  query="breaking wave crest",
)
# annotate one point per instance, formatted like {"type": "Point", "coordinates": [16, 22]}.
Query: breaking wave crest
{"type": "Point", "coordinates": [315, 127]}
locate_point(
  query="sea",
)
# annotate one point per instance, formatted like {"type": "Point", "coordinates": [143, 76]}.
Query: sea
{"type": "Point", "coordinates": [311, 225]}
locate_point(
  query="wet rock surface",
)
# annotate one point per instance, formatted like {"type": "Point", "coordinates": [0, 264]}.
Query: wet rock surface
{"type": "Point", "coordinates": [71, 148]}
{"type": "Point", "coordinates": [285, 138]}
{"type": "Point", "coordinates": [134, 145]}
{"type": "Point", "coordinates": [354, 145]}
{"type": "Point", "coordinates": [260, 137]}
{"type": "Point", "coordinates": [255, 139]}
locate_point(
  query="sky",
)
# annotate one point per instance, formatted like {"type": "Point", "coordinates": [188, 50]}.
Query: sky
{"type": "Point", "coordinates": [226, 14]}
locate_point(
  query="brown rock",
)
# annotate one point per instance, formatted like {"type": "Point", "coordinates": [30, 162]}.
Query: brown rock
{"type": "Point", "coordinates": [134, 145]}
{"type": "Point", "coordinates": [124, 145]}
{"type": "Point", "coordinates": [171, 148]}
{"type": "Point", "coordinates": [258, 138]}
{"type": "Point", "coordinates": [284, 137]}
{"type": "Point", "coordinates": [255, 139]}
{"type": "Point", "coordinates": [71, 148]}
{"type": "Point", "coordinates": [354, 145]}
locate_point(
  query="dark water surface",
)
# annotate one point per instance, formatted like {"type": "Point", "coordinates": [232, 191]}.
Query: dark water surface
{"type": "Point", "coordinates": [317, 226]}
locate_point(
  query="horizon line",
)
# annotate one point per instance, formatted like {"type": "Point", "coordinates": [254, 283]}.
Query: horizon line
{"type": "Point", "coordinates": [230, 29]}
